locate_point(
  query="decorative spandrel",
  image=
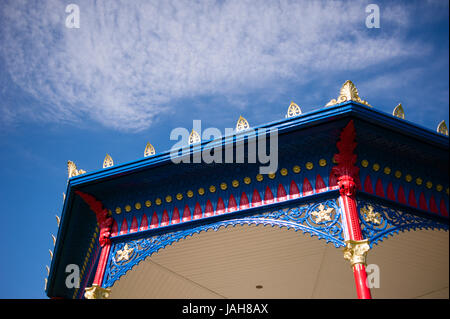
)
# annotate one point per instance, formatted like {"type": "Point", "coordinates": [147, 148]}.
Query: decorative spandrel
{"type": "Point", "coordinates": [108, 162]}
{"type": "Point", "coordinates": [242, 124]}
{"type": "Point", "coordinates": [348, 93]}
{"type": "Point", "coordinates": [399, 112]}
{"type": "Point", "coordinates": [149, 150]}
{"type": "Point", "coordinates": [194, 137]}
{"type": "Point", "coordinates": [442, 128]}
{"type": "Point", "coordinates": [379, 221]}
{"type": "Point", "coordinates": [293, 110]}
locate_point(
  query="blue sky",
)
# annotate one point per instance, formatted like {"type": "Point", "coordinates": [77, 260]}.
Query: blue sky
{"type": "Point", "coordinates": [135, 70]}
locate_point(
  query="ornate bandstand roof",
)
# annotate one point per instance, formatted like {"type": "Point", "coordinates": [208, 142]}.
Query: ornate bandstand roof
{"type": "Point", "coordinates": [401, 179]}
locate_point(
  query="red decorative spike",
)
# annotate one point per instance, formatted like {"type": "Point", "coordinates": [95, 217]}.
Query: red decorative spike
{"type": "Point", "coordinates": [412, 199]}
{"type": "Point", "coordinates": [423, 202]}
{"type": "Point", "coordinates": [268, 196]}
{"type": "Point", "coordinates": [443, 208]}
{"type": "Point", "coordinates": [294, 192]}
{"type": "Point", "coordinates": [379, 188]}
{"type": "Point", "coordinates": [232, 205]}
{"type": "Point", "coordinates": [198, 211]}
{"type": "Point", "coordinates": [220, 209]}
{"type": "Point", "coordinates": [165, 218]}
{"type": "Point", "coordinates": [401, 195]}
{"type": "Point", "coordinates": [281, 193]}
{"type": "Point", "coordinates": [186, 214]}
{"type": "Point", "coordinates": [332, 181]}
{"type": "Point", "coordinates": [433, 206]}
{"type": "Point", "coordinates": [390, 192]}
{"type": "Point", "coordinates": [134, 225]}
{"type": "Point", "coordinates": [320, 184]}
{"type": "Point", "coordinates": [144, 223]}
{"type": "Point", "coordinates": [307, 188]}
{"type": "Point", "coordinates": [175, 216]}
{"type": "Point", "coordinates": [209, 209]}
{"type": "Point", "coordinates": [243, 202]}
{"type": "Point", "coordinates": [124, 228]}
{"type": "Point", "coordinates": [256, 199]}
{"type": "Point", "coordinates": [155, 221]}
{"type": "Point", "coordinates": [368, 185]}
{"type": "Point", "coordinates": [114, 229]}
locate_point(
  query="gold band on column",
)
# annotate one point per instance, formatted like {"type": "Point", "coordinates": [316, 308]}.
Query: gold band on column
{"type": "Point", "coordinates": [356, 251]}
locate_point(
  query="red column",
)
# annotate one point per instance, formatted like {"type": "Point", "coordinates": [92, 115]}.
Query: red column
{"type": "Point", "coordinates": [346, 173]}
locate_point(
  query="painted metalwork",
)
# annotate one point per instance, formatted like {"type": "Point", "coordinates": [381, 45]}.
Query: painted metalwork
{"type": "Point", "coordinates": [391, 220]}
{"type": "Point", "coordinates": [108, 161]}
{"type": "Point", "coordinates": [72, 169]}
{"type": "Point", "coordinates": [348, 93]}
{"type": "Point", "coordinates": [399, 112]}
{"type": "Point", "coordinates": [300, 218]}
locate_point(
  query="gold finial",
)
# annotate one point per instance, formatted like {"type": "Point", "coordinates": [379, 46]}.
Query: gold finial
{"type": "Point", "coordinates": [57, 220]}
{"type": "Point", "coordinates": [293, 110]}
{"type": "Point", "coordinates": [149, 150]}
{"type": "Point", "coordinates": [348, 93]}
{"type": "Point", "coordinates": [72, 169]}
{"type": "Point", "coordinates": [64, 197]}
{"type": "Point", "coordinates": [48, 269]}
{"type": "Point", "coordinates": [194, 137]}
{"type": "Point", "coordinates": [54, 240]}
{"type": "Point", "coordinates": [242, 124]}
{"type": "Point", "coordinates": [45, 285]}
{"type": "Point", "coordinates": [442, 128]}
{"type": "Point", "coordinates": [51, 254]}
{"type": "Point", "coordinates": [399, 112]}
{"type": "Point", "coordinates": [108, 162]}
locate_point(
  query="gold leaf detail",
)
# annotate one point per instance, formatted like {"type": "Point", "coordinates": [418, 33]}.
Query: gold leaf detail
{"type": "Point", "coordinates": [194, 137]}
{"type": "Point", "coordinates": [293, 110]}
{"type": "Point", "coordinates": [399, 112]}
{"type": "Point", "coordinates": [149, 150]}
{"type": "Point", "coordinates": [73, 171]}
{"type": "Point", "coordinates": [442, 128]}
{"type": "Point", "coordinates": [348, 93]}
{"type": "Point", "coordinates": [108, 162]}
{"type": "Point", "coordinates": [242, 124]}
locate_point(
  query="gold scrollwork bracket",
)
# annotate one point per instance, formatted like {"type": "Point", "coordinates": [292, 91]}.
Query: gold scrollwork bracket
{"type": "Point", "coordinates": [97, 292]}
{"type": "Point", "coordinates": [355, 251]}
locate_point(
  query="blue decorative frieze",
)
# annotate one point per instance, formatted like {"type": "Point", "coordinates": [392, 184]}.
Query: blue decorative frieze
{"type": "Point", "coordinates": [321, 219]}
{"type": "Point", "coordinates": [378, 221]}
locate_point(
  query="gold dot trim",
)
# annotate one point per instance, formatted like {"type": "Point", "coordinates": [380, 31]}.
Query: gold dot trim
{"type": "Point", "coordinates": [247, 180]}
{"type": "Point", "coordinates": [179, 196]}
{"type": "Point", "coordinates": [235, 183]}
{"type": "Point", "coordinates": [398, 174]}
{"type": "Point", "coordinates": [387, 170]}
{"type": "Point", "coordinates": [283, 172]}
{"type": "Point", "coordinates": [259, 177]}
{"type": "Point", "coordinates": [419, 181]}
{"type": "Point", "coordinates": [158, 201]}
{"type": "Point", "coordinates": [322, 162]}
{"type": "Point", "coordinates": [223, 186]}
{"type": "Point", "coordinates": [201, 191]}
{"type": "Point", "coordinates": [212, 189]}
{"type": "Point", "coordinates": [118, 210]}
{"type": "Point", "coordinates": [296, 169]}
{"type": "Point", "coordinates": [137, 205]}
{"type": "Point", "coordinates": [376, 167]}
{"type": "Point", "coordinates": [168, 198]}
{"type": "Point", "coordinates": [309, 165]}
{"type": "Point", "coordinates": [189, 193]}
{"type": "Point", "coordinates": [408, 178]}
{"type": "Point", "coordinates": [364, 163]}
{"type": "Point", "coordinates": [127, 208]}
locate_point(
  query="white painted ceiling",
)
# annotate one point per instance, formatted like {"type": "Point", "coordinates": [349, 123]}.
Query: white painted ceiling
{"type": "Point", "coordinates": [231, 262]}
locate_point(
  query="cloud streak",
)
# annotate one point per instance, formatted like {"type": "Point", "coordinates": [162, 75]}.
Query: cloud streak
{"type": "Point", "coordinates": [131, 60]}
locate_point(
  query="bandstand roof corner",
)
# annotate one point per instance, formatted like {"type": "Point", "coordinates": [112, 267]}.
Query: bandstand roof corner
{"type": "Point", "coordinates": [392, 144]}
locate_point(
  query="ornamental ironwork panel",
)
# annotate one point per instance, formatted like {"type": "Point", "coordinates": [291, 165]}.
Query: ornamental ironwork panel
{"type": "Point", "coordinates": [379, 221]}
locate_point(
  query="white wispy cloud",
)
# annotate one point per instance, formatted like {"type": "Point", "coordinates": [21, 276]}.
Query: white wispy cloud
{"type": "Point", "coordinates": [130, 60]}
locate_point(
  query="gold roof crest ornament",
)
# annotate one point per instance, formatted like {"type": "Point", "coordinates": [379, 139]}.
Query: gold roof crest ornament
{"type": "Point", "coordinates": [242, 124]}
{"type": "Point", "coordinates": [72, 169]}
{"type": "Point", "coordinates": [108, 162]}
{"type": "Point", "coordinates": [348, 93]}
{"type": "Point", "coordinates": [293, 110]}
{"type": "Point", "coordinates": [442, 128]}
{"type": "Point", "coordinates": [149, 150]}
{"type": "Point", "coordinates": [194, 137]}
{"type": "Point", "coordinates": [398, 111]}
